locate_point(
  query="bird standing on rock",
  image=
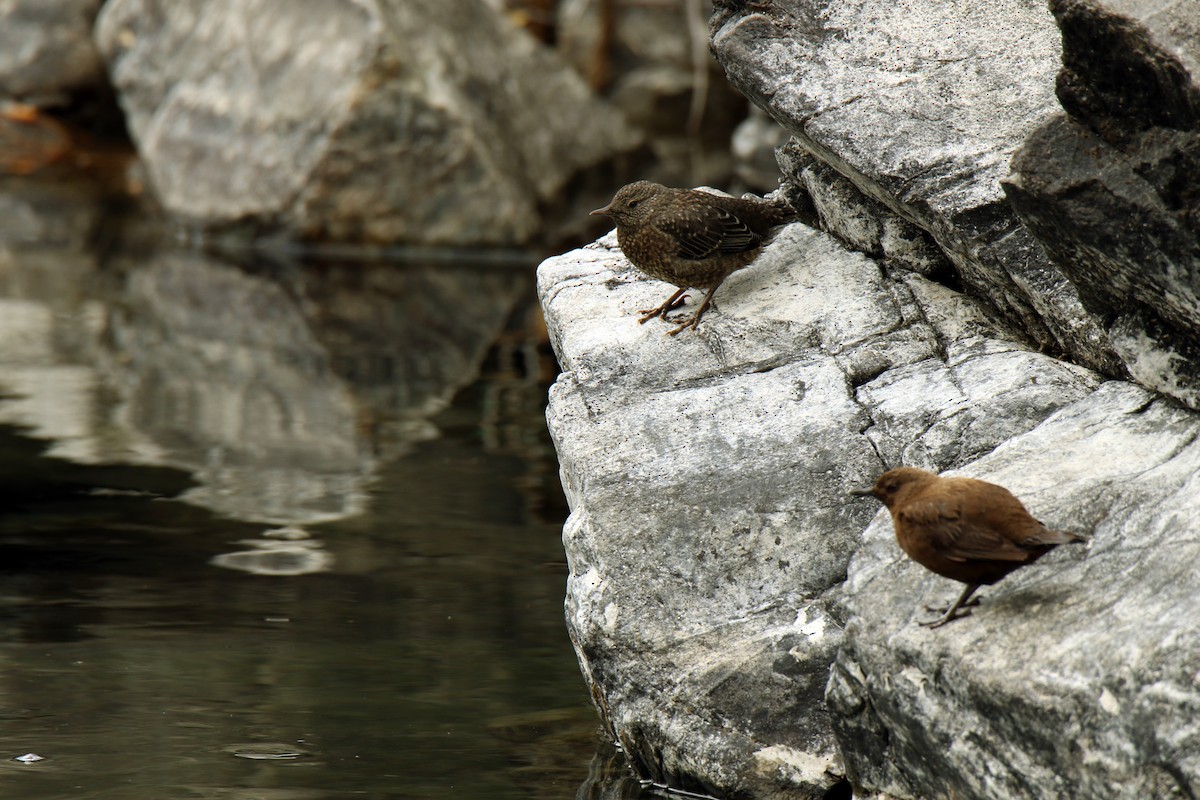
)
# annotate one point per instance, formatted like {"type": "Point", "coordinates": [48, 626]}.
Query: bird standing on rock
{"type": "Point", "coordinates": [689, 238]}
{"type": "Point", "coordinates": [962, 528]}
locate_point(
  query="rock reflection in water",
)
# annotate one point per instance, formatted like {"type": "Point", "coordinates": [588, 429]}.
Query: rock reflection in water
{"type": "Point", "coordinates": [281, 392]}
{"type": "Point", "coordinates": [280, 388]}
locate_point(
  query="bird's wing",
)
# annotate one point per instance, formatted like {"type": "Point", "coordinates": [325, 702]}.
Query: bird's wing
{"type": "Point", "coordinates": [706, 230]}
{"type": "Point", "coordinates": [960, 537]}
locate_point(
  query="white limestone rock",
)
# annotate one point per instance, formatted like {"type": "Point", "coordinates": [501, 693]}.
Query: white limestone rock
{"type": "Point", "coordinates": [1075, 678]}
{"type": "Point", "coordinates": [369, 121]}
{"type": "Point", "coordinates": [921, 106]}
{"type": "Point", "coordinates": [707, 473]}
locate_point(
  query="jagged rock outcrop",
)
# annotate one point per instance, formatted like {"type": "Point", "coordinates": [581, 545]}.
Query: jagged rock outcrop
{"type": "Point", "coordinates": [716, 560]}
{"type": "Point", "coordinates": [369, 121]}
{"type": "Point", "coordinates": [1076, 678]}
{"type": "Point", "coordinates": [920, 106]}
{"type": "Point", "coordinates": [710, 530]}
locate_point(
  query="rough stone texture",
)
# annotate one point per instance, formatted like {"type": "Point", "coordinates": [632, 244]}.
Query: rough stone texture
{"type": "Point", "coordinates": [1112, 192]}
{"type": "Point", "coordinates": [861, 222]}
{"type": "Point", "coordinates": [46, 49]}
{"type": "Point", "coordinates": [425, 121]}
{"type": "Point", "coordinates": [921, 106]}
{"type": "Point", "coordinates": [1076, 678]}
{"type": "Point", "coordinates": [716, 561]}
{"type": "Point", "coordinates": [707, 475]}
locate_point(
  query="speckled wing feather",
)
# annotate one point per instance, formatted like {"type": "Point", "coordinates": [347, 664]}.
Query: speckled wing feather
{"type": "Point", "coordinates": [961, 539]}
{"type": "Point", "coordinates": [706, 230]}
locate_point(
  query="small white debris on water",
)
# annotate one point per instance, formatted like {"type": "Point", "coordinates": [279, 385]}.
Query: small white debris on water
{"type": "Point", "coordinates": [29, 758]}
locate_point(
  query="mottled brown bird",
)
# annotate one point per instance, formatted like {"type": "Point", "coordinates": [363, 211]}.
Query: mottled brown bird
{"type": "Point", "coordinates": [962, 528]}
{"type": "Point", "coordinates": [689, 238]}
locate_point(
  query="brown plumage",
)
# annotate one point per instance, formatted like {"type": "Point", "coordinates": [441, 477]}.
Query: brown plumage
{"type": "Point", "coordinates": [962, 528]}
{"type": "Point", "coordinates": [689, 238]}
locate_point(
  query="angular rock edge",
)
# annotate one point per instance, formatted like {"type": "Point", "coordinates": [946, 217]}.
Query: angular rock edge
{"type": "Point", "coordinates": [716, 563]}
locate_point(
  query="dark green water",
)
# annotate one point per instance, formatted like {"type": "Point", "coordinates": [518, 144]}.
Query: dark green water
{"type": "Point", "coordinates": [277, 530]}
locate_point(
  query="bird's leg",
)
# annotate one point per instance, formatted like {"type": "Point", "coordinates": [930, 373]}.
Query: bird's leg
{"type": "Point", "coordinates": [673, 302]}
{"type": "Point", "coordinates": [693, 321]}
{"type": "Point", "coordinates": [962, 604]}
{"type": "Point", "coordinates": [972, 603]}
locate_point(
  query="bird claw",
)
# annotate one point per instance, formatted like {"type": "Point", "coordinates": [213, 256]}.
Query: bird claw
{"type": "Point", "coordinates": [974, 601]}
{"type": "Point", "coordinates": [689, 323]}
{"type": "Point", "coordinates": [949, 613]}
{"type": "Point", "coordinates": [947, 617]}
{"type": "Point", "coordinates": [661, 311]}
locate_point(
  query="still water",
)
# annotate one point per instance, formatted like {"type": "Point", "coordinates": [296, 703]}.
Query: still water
{"type": "Point", "coordinates": [276, 530]}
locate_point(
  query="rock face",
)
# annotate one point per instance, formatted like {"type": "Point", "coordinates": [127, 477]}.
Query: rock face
{"type": "Point", "coordinates": [710, 530]}
{"type": "Point", "coordinates": [46, 49]}
{"type": "Point", "coordinates": [352, 121]}
{"type": "Point", "coordinates": [720, 575]}
{"type": "Point", "coordinates": [1076, 678]}
{"type": "Point", "coordinates": [1112, 189]}
{"type": "Point", "coordinates": [920, 106]}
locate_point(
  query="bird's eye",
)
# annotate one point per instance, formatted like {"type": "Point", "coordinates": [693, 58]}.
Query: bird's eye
{"type": "Point", "coordinates": [634, 203]}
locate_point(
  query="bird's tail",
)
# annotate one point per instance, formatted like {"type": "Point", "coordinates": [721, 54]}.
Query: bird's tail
{"type": "Point", "coordinates": [775, 208]}
{"type": "Point", "coordinates": [780, 208]}
{"type": "Point", "coordinates": [1049, 537]}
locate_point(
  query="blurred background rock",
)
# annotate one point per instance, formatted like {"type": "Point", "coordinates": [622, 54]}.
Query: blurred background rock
{"type": "Point", "coordinates": [418, 122]}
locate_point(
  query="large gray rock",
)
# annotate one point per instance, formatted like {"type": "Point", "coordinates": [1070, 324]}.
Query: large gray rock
{"type": "Point", "coordinates": [716, 561]}
{"type": "Point", "coordinates": [921, 106]}
{"type": "Point", "coordinates": [710, 528]}
{"type": "Point", "coordinates": [1076, 678]}
{"type": "Point", "coordinates": [46, 49]}
{"type": "Point", "coordinates": [1113, 190]}
{"type": "Point", "coordinates": [424, 121]}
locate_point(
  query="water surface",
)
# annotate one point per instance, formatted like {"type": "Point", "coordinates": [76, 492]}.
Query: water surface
{"type": "Point", "coordinates": [276, 529]}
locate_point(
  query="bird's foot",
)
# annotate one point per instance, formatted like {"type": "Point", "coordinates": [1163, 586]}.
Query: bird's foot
{"type": "Point", "coordinates": [961, 608]}
{"type": "Point", "coordinates": [947, 617]}
{"type": "Point", "coordinates": [661, 311]}
{"type": "Point", "coordinates": [974, 601]}
{"type": "Point", "coordinates": [690, 322]}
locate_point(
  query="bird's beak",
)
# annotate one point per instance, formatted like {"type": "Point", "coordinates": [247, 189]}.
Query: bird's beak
{"type": "Point", "coordinates": [870, 492]}
{"type": "Point", "coordinates": [599, 212]}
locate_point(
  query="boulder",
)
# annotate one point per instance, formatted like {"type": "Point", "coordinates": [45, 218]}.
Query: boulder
{"type": "Point", "coordinates": [369, 121]}
{"type": "Point", "coordinates": [710, 530]}
{"type": "Point", "coordinates": [1076, 677]}
{"type": "Point", "coordinates": [921, 106]}
{"type": "Point", "coordinates": [716, 561]}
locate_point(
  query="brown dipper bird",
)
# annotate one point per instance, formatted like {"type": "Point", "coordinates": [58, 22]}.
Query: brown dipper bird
{"type": "Point", "coordinates": [961, 528]}
{"type": "Point", "coordinates": [689, 238]}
